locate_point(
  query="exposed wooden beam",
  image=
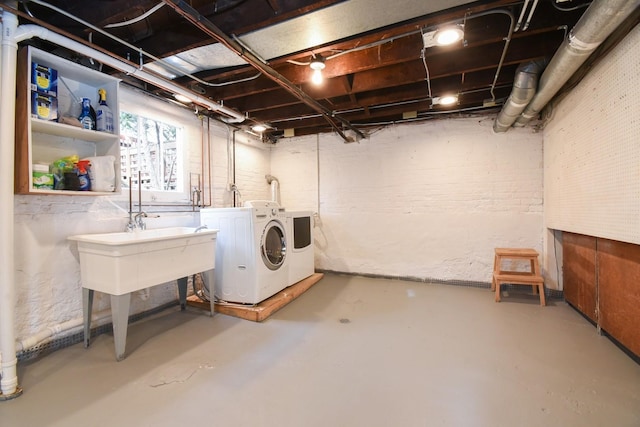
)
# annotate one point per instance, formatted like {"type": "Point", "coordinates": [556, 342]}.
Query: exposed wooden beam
{"type": "Point", "coordinates": [207, 26]}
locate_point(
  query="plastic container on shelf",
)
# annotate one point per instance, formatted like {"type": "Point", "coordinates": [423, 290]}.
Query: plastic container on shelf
{"type": "Point", "coordinates": [86, 119]}
{"type": "Point", "coordinates": [104, 116]}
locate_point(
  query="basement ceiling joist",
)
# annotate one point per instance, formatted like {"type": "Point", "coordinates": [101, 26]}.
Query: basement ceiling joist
{"type": "Point", "coordinates": [363, 86]}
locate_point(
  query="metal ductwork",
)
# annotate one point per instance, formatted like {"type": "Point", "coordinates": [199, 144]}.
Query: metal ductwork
{"type": "Point", "coordinates": [524, 89]}
{"type": "Point", "coordinates": [599, 20]}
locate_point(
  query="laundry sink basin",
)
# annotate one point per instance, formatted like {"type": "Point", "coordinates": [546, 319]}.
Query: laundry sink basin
{"type": "Point", "coordinates": [123, 262]}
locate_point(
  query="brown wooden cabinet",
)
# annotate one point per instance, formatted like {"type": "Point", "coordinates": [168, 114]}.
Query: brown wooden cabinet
{"type": "Point", "coordinates": [619, 291]}
{"type": "Point", "coordinates": [602, 281]}
{"type": "Point", "coordinates": [44, 141]}
{"type": "Point", "coordinates": [579, 272]}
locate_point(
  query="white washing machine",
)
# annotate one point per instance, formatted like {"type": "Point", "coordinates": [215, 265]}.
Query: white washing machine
{"type": "Point", "coordinates": [301, 248]}
{"type": "Point", "coordinates": [251, 251]}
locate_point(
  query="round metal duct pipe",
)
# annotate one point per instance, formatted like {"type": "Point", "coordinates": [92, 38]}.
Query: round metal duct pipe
{"type": "Point", "coordinates": [524, 88]}
{"type": "Point", "coordinates": [599, 20]}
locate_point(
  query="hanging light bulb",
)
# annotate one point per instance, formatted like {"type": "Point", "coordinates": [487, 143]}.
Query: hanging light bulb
{"type": "Point", "coordinates": [317, 65]}
{"type": "Point", "coordinates": [316, 77]}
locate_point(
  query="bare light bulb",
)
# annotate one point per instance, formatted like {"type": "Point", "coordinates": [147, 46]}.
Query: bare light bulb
{"type": "Point", "coordinates": [316, 77]}
{"type": "Point", "coordinates": [317, 65]}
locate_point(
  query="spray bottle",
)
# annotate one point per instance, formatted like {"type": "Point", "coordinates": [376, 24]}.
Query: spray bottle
{"type": "Point", "coordinates": [87, 121]}
{"type": "Point", "coordinates": [82, 168]}
{"type": "Point", "coordinates": [103, 113]}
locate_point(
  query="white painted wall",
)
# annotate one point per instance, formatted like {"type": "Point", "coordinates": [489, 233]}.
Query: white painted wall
{"type": "Point", "coordinates": [47, 268]}
{"type": "Point", "coordinates": [423, 201]}
{"type": "Point", "coordinates": [592, 155]}
{"type": "Point", "coordinates": [428, 201]}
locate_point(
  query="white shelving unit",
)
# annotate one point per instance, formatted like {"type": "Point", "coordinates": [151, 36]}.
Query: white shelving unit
{"type": "Point", "coordinates": [43, 141]}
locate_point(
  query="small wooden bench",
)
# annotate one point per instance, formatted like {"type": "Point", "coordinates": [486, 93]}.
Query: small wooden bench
{"type": "Point", "coordinates": [531, 278]}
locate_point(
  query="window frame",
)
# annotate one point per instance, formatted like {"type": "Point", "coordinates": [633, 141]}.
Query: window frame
{"type": "Point", "coordinates": [141, 104]}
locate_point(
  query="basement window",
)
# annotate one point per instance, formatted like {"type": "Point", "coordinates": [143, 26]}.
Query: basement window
{"type": "Point", "coordinates": [151, 156]}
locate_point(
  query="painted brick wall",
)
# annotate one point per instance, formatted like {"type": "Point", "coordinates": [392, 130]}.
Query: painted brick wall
{"type": "Point", "coordinates": [428, 201]}
{"type": "Point", "coordinates": [48, 286]}
{"type": "Point", "coordinates": [252, 159]}
{"type": "Point", "coordinates": [425, 201]}
{"type": "Point", "coordinates": [592, 155]}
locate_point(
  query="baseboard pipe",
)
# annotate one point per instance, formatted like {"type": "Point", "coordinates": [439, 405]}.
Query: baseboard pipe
{"type": "Point", "coordinates": [45, 334]}
{"type": "Point", "coordinates": [8, 61]}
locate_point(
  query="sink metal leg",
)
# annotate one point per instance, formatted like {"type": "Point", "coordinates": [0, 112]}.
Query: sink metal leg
{"type": "Point", "coordinates": [182, 292]}
{"type": "Point", "coordinates": [87, 306]}
{"type": "Point", "coordinates": [212, 304]}
{"type": "Point", "coordinates": [120, 318]}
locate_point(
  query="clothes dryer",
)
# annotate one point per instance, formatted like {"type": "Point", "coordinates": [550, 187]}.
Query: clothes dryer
{"type": "Point", "coordinates": [301, 247]}
{"type": "Point", "coordinates": [251, 251]}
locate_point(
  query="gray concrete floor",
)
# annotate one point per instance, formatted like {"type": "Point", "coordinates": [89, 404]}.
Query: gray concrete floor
{"type": "Point", "coordinates": [351, 351]}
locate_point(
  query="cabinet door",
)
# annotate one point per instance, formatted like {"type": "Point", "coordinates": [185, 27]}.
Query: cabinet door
{"type": "Point", "coordinates": [619, 291]}
{"type": "Point", "coordinates": [579, 272]}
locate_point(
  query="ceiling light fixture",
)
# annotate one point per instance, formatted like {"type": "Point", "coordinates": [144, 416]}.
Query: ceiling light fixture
{"type": "Point", "coordinates": [444, 100]}
{"type": "Point", "coordinates": [449, 35]}
{"type": "Point", "coordinates": [448, 100]}
{"type": "Point", "coordinates": [259, 128]}
{"type": "Point", "coordinates": [317, 65]}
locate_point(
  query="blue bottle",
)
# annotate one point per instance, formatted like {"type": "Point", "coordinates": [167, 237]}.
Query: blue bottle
{"type": "Point", "coordinates": [85, 118]}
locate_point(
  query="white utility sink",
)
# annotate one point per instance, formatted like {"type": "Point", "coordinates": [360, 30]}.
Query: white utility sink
{"type": "Point", "coordinates": [119, 263]}
{"type": "Point", "coordinates": [124, 262]}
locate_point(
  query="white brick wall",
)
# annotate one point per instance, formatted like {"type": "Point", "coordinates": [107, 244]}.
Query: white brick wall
{"type": "Point", "coordinates": [592, 155]}
{"type": "Point", "coordinates": [426, 201]}
{"type": "Point", "coordinates": [48, 287]}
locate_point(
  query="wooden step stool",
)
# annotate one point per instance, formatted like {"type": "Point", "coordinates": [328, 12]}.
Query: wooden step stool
{"type": "Point", "coordinates": [532, 278]}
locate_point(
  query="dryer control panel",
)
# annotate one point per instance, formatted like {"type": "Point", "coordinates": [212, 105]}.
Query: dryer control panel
{"type": "Point", "coordinates": [265, 208]}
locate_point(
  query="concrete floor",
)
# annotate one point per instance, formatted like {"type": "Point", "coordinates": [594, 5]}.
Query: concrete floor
{"type": "Point", "coordinates": [351, 351]}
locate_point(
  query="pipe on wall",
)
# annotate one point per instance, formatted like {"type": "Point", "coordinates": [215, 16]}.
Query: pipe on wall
{"type": "Point", "coordinates": [599, 20]}
{"type": "Point", "coordinates": [8, 61]}
{"type": "Point", "coordinates": [45, 334]}
{"type": "Point", "coordinates": [275, 184]}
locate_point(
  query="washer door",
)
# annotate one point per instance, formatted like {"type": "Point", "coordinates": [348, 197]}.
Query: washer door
{"type": "Point", "coordinates": [273, 245]}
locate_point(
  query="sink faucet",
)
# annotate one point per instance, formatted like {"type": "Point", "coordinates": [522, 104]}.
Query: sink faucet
{"type": "Point", "coordinates": [130, 225]}
{"type": "Point", "coordinates": [202, 227]}
{"type": "Point", "coordinates": [139, 221]}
